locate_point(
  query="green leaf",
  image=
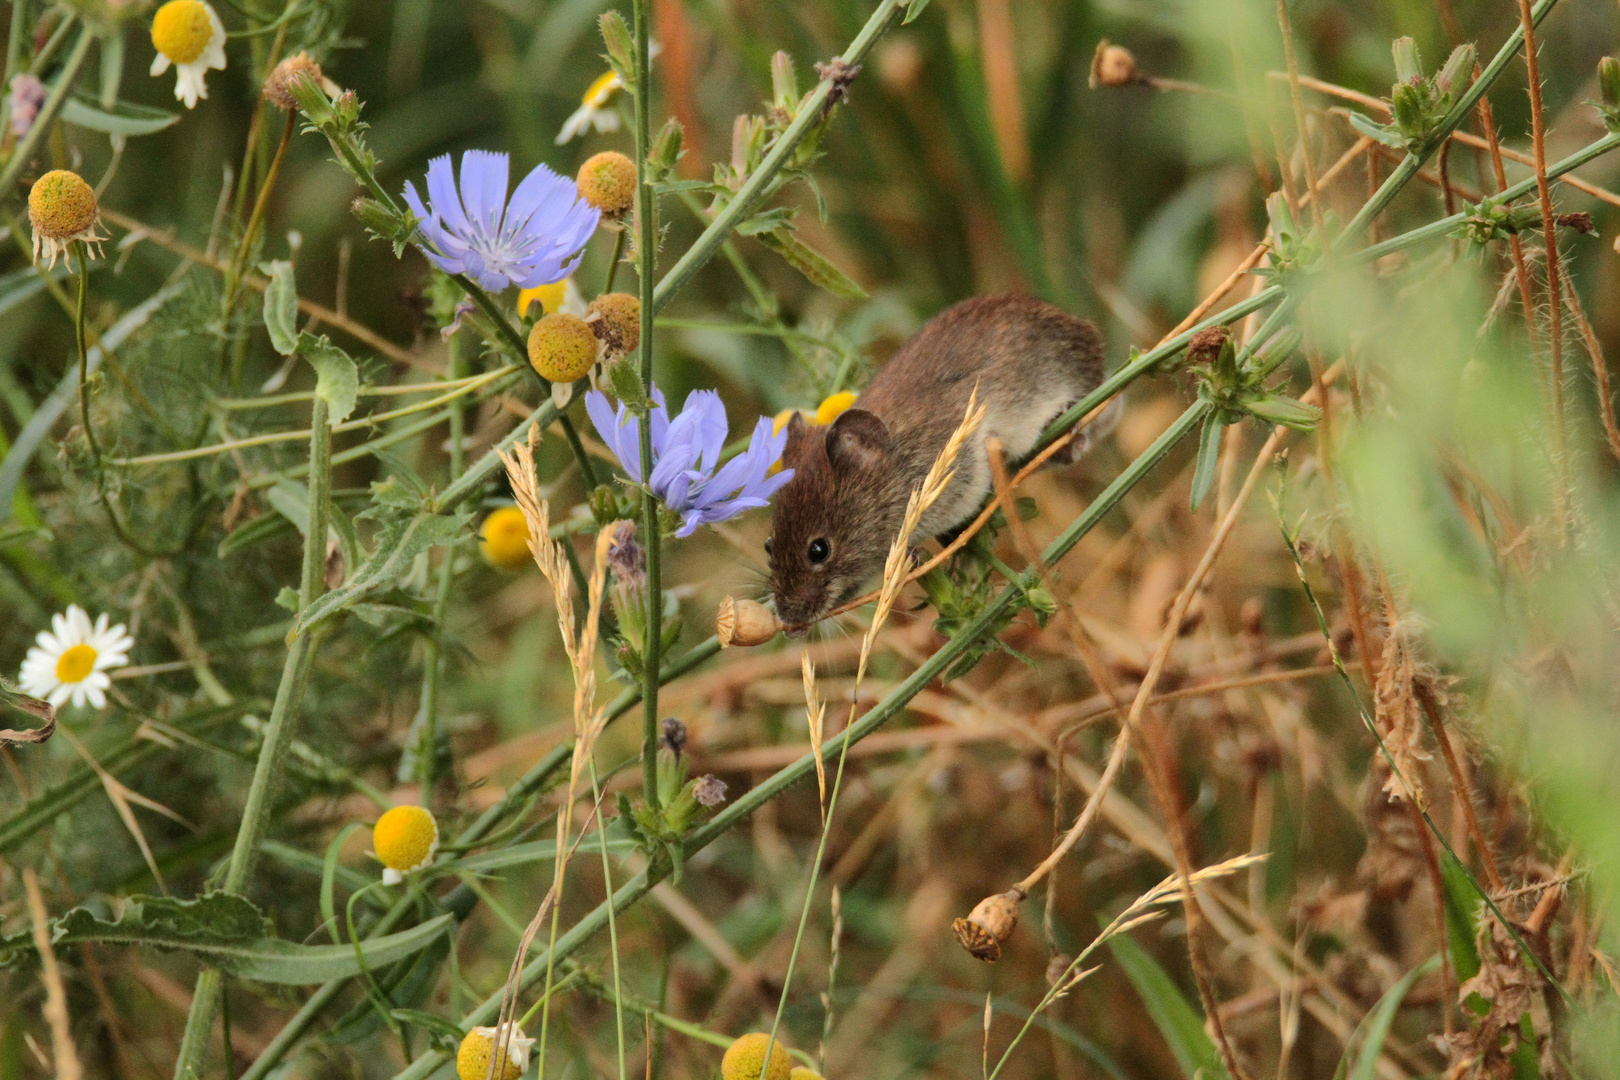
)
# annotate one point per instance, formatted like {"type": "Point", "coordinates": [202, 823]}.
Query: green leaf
{"type": "Point", "coordinates": [13, 698]}
{"type": "Point", "coordinates": [228, 932]}
{"type": "Point", "coordinates": [337, 379]}
{"type": "Point", "coordinates": [123, 118]}
{"type": "Point", "coordinates": [441, 1031]}
{"type": "Point", "coordinates": [1176, 1020]}
{"type": "Point", "coordinates": [1376, 1025]}
{"type": "Point", "coordinates": [281, 306]}
{"type": "Point", "coordinates": [398, 543]}
{"type": "Point", "coordinates": [811, 263]}
{"type": "Point", "coordinates": [914, 9]}
{"type": "Point", "coordinates": [1209, 457]}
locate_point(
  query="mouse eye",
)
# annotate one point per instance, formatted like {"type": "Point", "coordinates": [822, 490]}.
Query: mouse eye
{"type": "Point", "coordinates": [819, 550]}
{"type": "Point", "coordinates": [767, 545]}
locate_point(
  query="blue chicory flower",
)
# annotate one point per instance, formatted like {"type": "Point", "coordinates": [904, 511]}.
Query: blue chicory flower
{"type": "Point", "coordinates": [532, 240]}
{"type": "Point", "coordinates": [686, 451]}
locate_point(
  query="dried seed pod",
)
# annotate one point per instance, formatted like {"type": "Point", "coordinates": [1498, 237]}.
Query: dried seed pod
{"type": "Point", "coordinates": [989, 924]}
{"type": "Point", "coordinates": [744, 622]}
{"type": "Point", "coordinates": [1113, 65]}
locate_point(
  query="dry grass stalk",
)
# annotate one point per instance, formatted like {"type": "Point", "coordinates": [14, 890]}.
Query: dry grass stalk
{"type": "Point", "coordinates": [815, 715]}
{"type": "Point", "coordinates": [1397, 712]}
{"type": "Point", "coordinates": [589, 721]}
{"type": "Point", "coordinates": [1600, 371]}
{"type": "Point", "coordinates": [56, 1013]}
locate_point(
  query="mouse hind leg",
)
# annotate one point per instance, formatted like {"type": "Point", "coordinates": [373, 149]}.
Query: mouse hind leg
{"type": "Point", "coordinates": [1090, 434]}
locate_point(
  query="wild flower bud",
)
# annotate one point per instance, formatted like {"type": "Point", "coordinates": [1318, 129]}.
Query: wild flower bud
{"type": "Point", "coordinates": [607, 181]}
{"type": "Point", "coordinates": [620, 51]}
{"type": "Point", "coordinates": [667, 149]}
{"type": "Point", "coordinates": [310, 97]}
{"type": "Point", "coordinates": [345, 107]}
{"type": "Point", "coordinates": [1206, 345]}
{"type": "Point", "coordinates": [1609, 86]}
{"type": "Point", "coordinates": [745, 1059]}
{"type": "Point", "coordinates": [624, 380]}
{"type": "Point", "coordinates": [615, 319]}
{"type": "Point", "coordinates": [747, 144]}
{"type": "Point", "coordinates": [1113, 65]}
{"type": "Point", "coordinates": [62, 208]}
{"type": "Point", "coordinates": [278, 88]}
{"type": "Point", "coordinates": [27, 95]}
{"type": "Point", "coordinates": [744, 622]}
{"type": "Point", "coordinates": [561, 347]}
{"type": "Point", "coordinates": [376, 217]}
{"type": "Point", "coordinates": [1580, 221]}
{"type": "Point", "coordinates": [1455, 74]}
{"type": "Point", "coordinates": [784, 84]}
{"type": "Point", "coordinates": [1408, 63]}
{"type": "Point", "coordinates": [672, 735]}
{"type": "Point", "coordinates": [988, 925]}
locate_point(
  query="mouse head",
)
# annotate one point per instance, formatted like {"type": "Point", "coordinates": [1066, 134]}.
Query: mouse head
{"type": "Point", "coordinates": [831, 525]}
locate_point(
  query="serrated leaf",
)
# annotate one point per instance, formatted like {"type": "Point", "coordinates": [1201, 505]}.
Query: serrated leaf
{"type": "Point", "coordinates": [281, 306]}
{"type": "Point", "coordinates": [812, 264]}
{"type": "Point", "coordinates": [398, 543]}
{"type": "Point", "coordinates": [1209, 457]}
{"type": "Point", "coordinates": [228, 932]}
{"type": "Point", "coordinates": [123, 118]}
{"type": "Point", "coordinates": [1176, 1020]}
{"type": "Point", "coordinates": [337, 379]}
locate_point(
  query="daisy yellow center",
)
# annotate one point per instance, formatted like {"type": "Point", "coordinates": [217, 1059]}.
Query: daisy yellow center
{"type": "Point", "coordinates": [562, 347]}
{"type": "Point", "coordinates": [472, 1059]}
{"type": "Point", "coordinates": [76, 664]}
{"type": "Point", "coordinates": [550, 297]}
{"type": "Point", "coordinates": [181, 30]}
{"type": "Point", "coordinates": [61, 205]}
{"type": "Point", "coordinates": [830, 409]}
{"type": "Point", "coordinates": [506, 538]}
{"type": "Point", "coordinates": [602, 89]}
{"type": "Point", "coordinates": [404, 837]}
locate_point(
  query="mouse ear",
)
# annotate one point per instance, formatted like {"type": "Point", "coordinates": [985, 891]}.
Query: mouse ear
{"type": "Point", "coordinates": [858, 440]}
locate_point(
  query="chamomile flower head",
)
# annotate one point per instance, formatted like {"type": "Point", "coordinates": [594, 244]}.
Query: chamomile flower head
{"type": "Point", "coordinates": [558, 296]}
{"type": "Point", "coordinates": [595, 109]}
{"type": "Point", "coordinates": [404, 839]}
{"type": "Point", "coordinates": [71, 660]}
{"type": "Point", "coordinates": [615, 319]}
{"type": "Point", "coordinates": [505, 538]}
{"type": "Point", "coordinates": [746, 1057]}
{"type": "Point", "coordinates": [833, 406]}
{"type": "Point", "coordinates": [533, 238]}
{"type": "Point", "coordinates": [189, 35]}
{"type": "Point", "coordinates": [607, 181]}
{"type": "Point", "coordinates": [62, 208]}
{"type": "Point", "coordinates": [562, 347]}
{"type": "Point", "coordinates": [475, 1058]}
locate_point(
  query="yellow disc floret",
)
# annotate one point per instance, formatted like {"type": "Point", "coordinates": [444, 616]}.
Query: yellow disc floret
{"type": "Point", "coordinates": [550, 297]}
{"type": "Point", "coordinates": [181, 30]}
{"type": "Point", "coordinates": [404, 839]}
{"type": "Point", "coordinates": [561, 347]}
{"type": "Point", "coordinates": [505, 536]}
{"type": "Point", "coordinates": [601, 89]}
{"type": "Point", "coordinates": [746, 1057]}
{"type": "Point", "coordinates": [617, 322]}
{"type": "Point", "coordinates": [478, 1047]}
{"type": "Point", "coordinates": [607, 181]}
{"type": "Point", "coordinates": [829, 409]}
{"type": "Point", "coordinates": [61, 205]}
{"type": "Point", "coordinates": [76, 664]}
{"type": "Point", "coordinates": [801, 1073]}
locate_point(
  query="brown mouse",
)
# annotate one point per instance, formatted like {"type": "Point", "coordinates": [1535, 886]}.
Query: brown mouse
{"type": "Point", "coordinates": [833, 523]}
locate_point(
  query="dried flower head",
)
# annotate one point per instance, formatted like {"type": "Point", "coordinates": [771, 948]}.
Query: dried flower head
{"type": "Point", "coordinates": [27, 95]}
{"type": "Point", "coordinates": [607, 181]}
{"type": "Point", "coordinates": [562, 347]}
{"type": "Point", "coordinates": [62, 208]}
{"type": "Point", "coordinates": [404, 839]}
{"type": "Point", "coordinates": [989, 925]}
{"type": "Point", "coordinates": [745, 1059]}
{"type": "Point", "coordinates": [709, 790]}
{"type": "Point", "coordinates": [504, 538]}
{"type": "Point", "coordinates": [627, 559]}
{"type": "Point", "coordinates": [278, 87]}
{"type": "Point", "coordinates": [1204, 346]}
{"type": "Point", "coordinates": [672, 735]}
{"type": "Point", "coordinates": [615, 319]}
{"type": "Point", "coordinates": [744, 622]}
{"type": "Point", "coordinates": [475, 1057]}
{"type": "Point", "coordinates": [1113, 65]}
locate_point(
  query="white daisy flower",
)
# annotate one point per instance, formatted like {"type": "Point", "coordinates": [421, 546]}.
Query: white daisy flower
{"type": "Point", "coordinates": [593, 108]}
{"type": "Point", "coordinates": [189, 35]}
{"type": "Point", "coordinates": [73, 661]}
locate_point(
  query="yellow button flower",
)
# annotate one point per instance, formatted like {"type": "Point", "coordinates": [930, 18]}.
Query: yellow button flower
{"type": "Point", "coordinates": [478, 1047]}
{"type": "Point", "coordinates": [189, 35]}
{"type": "Point", "coordinates": [835, 404]}
{"type": "Point", "coordinates": [746, 1057]}
{"type": "Point", "coordinates": [404, 839]}
{"type": "Point", "coordinates": [607, 181]}
{"type": "Point", "coordinates": [558, 296]}
{"type": "Point", "coordinates": [505, 536]}
{"type": "Point", "coordinates": [62, 208]}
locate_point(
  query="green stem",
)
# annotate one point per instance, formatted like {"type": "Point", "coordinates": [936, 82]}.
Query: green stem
{"type": "Point", "coordinates": [613, 926]}
{"type": "Point", "coordinates": [646, 245]}
{"type": "Point", "coordinates": [233, 276]}
{"type": "Point", "coordinates": [23, 153]}
{"type": "Point", "coordinates": [277, 738]}
{"type": "Point", "coordinates": [613, 264]}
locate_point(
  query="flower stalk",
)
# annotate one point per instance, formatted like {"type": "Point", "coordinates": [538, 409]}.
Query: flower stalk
{"type": "Point", "coordinates": [646, 224]}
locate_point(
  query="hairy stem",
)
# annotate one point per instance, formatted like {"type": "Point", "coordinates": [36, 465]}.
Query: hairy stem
{"type": "Point", "coordinates": [646, 248]}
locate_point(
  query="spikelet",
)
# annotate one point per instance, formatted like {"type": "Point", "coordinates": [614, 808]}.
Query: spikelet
{"type": "Point", "coordinates": [815, 714]}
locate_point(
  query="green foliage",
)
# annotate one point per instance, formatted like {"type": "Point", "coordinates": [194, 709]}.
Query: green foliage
{"type": "Point", "coordinates": [1175, 1018]}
